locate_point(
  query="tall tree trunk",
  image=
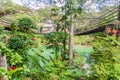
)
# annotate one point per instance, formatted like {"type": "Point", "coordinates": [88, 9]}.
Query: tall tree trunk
{"type": "Point", "coordinates": [64, 43]}
{"type": "Point", "coordinates": [3, 63]}
{"type": "Point", "coordinates": [71, 41]}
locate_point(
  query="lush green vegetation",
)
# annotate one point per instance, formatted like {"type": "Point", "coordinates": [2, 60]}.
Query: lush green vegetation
{"type": "Point", "coordinates": [27, 55]}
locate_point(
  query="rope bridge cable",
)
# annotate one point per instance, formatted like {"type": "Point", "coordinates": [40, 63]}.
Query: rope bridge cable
{"type": "Point", "coordinates": [99, 27]}
{"type": "Point", "coordinates": [91, 31]}
{"type": "Point", "coordinates": [7, 12]}
{"type": "Point", "coordinates": [104, 17]}
{"type": "Point", "coordinates": [106, 12]}
{"type": "Point", "coordinates": [107, 15]}
{"type": "Point", "coordinates": [104, 23]}
{"type": "Point", "coordinates": [112, 12]}
{"type": "Point", "coordinates": [93, 25]}
{"type": "Point", "coordinates": [100, 2]}
{"type": "Point", "coordinates": [109, 12]}
{"type": "Point", "coordinates": [101, 17]}
{"type": "Point", "coordinates": [88, 8]}
{"type": "Point", "coordinates": [105, 20]}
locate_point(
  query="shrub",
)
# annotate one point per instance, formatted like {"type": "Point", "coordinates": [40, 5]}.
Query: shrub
{"type": "Point", "coordinates": [26, 25]}
{"type": "Point", "coordinates": [14, 64]}
{"type": "Point", "coordinates": [13, 26]}
{"type": "Point", "coordinates": [105, 60]}
{"type": "Point", "coordinates": [19, 41]}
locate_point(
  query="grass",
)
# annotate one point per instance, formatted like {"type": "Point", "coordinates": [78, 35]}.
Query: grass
{"type": "Point", "coordinates": [82, 39]}
{"type": "Point", "coordinates": [83, 50]}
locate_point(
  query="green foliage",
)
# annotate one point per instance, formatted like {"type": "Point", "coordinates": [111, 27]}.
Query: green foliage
{"type": "Point", "coordinates": [12, 59]}
{"type": "Point", "coordinates": [15, 42]}
{"type": "Point", "coordinates": [38, 57]}
{"type": "Point", "coordinates": [1, 27]}
{"type": "Point", "coordinates": [3, 49]}
{"type": "Point", "coordinates": [14, 74]}
{"type": "Point", "coordinates": [22, 12]}
{"type": "Point", "coordinates": [56, 41]}
{"type": "Point", "coordinates": [55, 11]}
{"type": "Point", "coordinates": [26, 25]}
{"type": "Point", "coordinates": [15, 59]}
{"type": "Point", "coordinates": [53, 70]}
{"type": "Point", "coordinates": [58, 70]}
{"type": "Point", "coordinates": [13, 26]}
{"type": "Point", "coordinates": [83, 40]}
{"type": "Point", "coordinates": [18, 73]}
{"type": "Point", "coordinates": [55, 37]}
{"type": "Point", "coordinates": [45, 13]}
{"type": "Point", "coordinates": [19, 41]}
{"type": "Point", "coordinates": [2, 71]}
{"type": "Point", "coordinates": [44, 65]}
{"type": "Point", "coordinates": [78, 61]}
{"type": "Point", "coordinates": [3, 32]}
{"type": "Point", "coordinates": [105, 59]}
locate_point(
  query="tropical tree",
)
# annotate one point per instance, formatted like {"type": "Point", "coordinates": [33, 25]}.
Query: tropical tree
{"type": "Point", "coordinates": [71, 9]}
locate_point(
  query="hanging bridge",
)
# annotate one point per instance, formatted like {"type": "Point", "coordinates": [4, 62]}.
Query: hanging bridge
{"type": "Point", "coordinates": [94, 21]}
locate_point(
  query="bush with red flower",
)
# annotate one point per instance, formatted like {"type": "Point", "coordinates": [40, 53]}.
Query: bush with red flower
{"type": "Point", "coordinates": [12, 67]}
{"type": "Point", "coordinates": [14, 63]}
{"type": "Point", "coordinates": [115, 32]}
{"type": "Point", "coordinates": [33, 39]}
